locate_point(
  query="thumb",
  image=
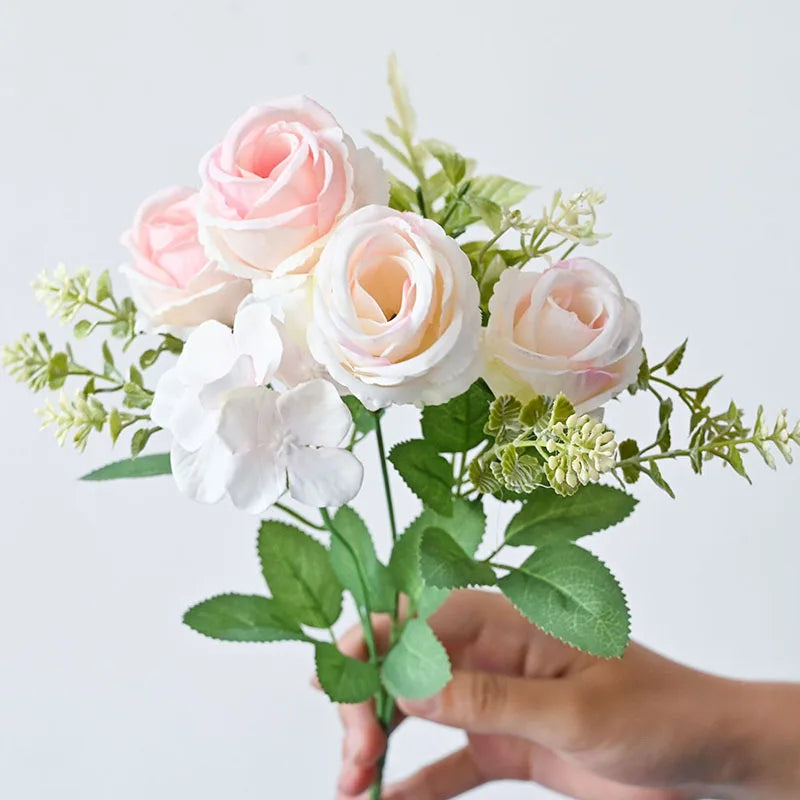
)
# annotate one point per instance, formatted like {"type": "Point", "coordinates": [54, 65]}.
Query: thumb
{"type": "Point", "coordinates": [542, 710]}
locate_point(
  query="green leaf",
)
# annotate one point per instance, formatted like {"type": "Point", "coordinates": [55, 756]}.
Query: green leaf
{"type": "Point", "coordinates": [703, 391]}
{"type": "Point", "coordinates": [148, 358]}
{"type": "Point", "coordinates": [140, 439]}
{"type": "Point", "coordinates": [172, 343]}
{"type": "Point", "coordinates": [642, 377]}
{"type": "Point", "coordinates": [243, 618]}
{"type": "Point", "coordinates": [535, 410]}
{"type": "Point", "coordinates": [344, 679]}
{"type": "Point", "coordinates": [383, 142]}
{"type": "Point", "coordinates": [402, 102]}
{"type": "Point", "coordinates": [562, 409]}
{"type": "Point", "coordinates": [503, 422]}
{"type": "Point", "coordinates": [401, 196]}
{"type": "Point", "coordinates": [466, 527]}
{"type": "Point", "coordinates": [82, 329]}
{"type": "Point", "coordinates": [445, 565]}
{"type": "Point", "coordinates": [546, 517]}
{"type": "Point", "coordinates": [103, 289]}
{"type": "Point", "coordinates": [674, 359]}
{"type": "Point", "coordinates": [458, 425]}
{"type": "Point", "coordinates": [142, 467]}
{"type": "Point", "coordinates": [489, 277]}
{"type": "Point", "coordinates": [489, 212]}
{"type": "Point", "coordinates": [356, 565]}
{"type": "Point", "coordinates": [569, 593]}
{"type": "Point", "coordinates": [629, 449]}
{"type": "Point", "coordinates": [426, 473]}
{"type": "Point", "coordinates": [658, 479]}
{"type": "Point", "coordinates": [114, 424]}
{"type": "Point", "coordinates": [417, 666]}
{"type": "Point", "coordinates": [298, 571]}
{"type": "Point", "coordinates": [363, 418]}
{"type": "Point", "coordinates": [664, 437]}
{"type": "Point", "coordinates": [500, 190]}
{"type": "Point", "coordinates": [57, 370]}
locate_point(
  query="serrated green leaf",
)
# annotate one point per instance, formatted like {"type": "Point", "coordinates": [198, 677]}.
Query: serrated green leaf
{"type": "Point", "coordinates": [142, 467]}
{"type": "Point", "coordinates": [562, 409]}
{"type": "Point", "coordinates": [569, 593]}
{"type": "Point", "coordinates": [503, 422]}
{"type": "Point", "coordinates": [445, 565]}
{"type": "Point", "coordinates": [243, 618]}
{"type": "Point", "coordinates": [344, 679]}
{"type": "Point", "coordinates": [500, 190]}
{"type": "Point", "coordinates": [298, 571]}
{"type": "Point", "coordinates": [426, 473]}
{"type": "Point", "coordinates": [417, 666]}
{"type": "Point", "coordinates": [546, 517]}
{"type": "Point", "coordinates": [673, 361]}
{"type": "Point", "coordinates": [466, 526]}
{"type": "Point", "coordinates": [356, 565]}
{"type": "Point", "coordinates": [535, 410]}
{"type": "Point", "coordinates": [458, 425]}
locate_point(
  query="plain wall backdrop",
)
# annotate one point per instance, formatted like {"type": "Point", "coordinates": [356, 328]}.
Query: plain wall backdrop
{"type": "Point", "coordinates": [684, 112]}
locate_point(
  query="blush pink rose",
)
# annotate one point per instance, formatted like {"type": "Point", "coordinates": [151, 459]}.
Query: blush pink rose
{"type": "Point", "coordinates": [396, 315]}
{"type": "Point", "coordinates": [172, 280]}
{"type": "Point", "coordinates": [282, 177]}
{"type": "Point", "coordinates": [569, 329]}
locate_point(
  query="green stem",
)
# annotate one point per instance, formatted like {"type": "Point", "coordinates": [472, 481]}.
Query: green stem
{"type": "Point", "coordinates": [299, 517]}
{"type": "Point", "coordinates": [385, 472]}
{"type": "Point", "coordinates": [453, 204]}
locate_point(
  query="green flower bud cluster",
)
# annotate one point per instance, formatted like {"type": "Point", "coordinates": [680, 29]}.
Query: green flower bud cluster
{"type": "Point", "coordinates": [543, 443]}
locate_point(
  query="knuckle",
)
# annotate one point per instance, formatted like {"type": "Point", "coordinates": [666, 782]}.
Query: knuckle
{"type": "Point", "coordinates": [488, 695]}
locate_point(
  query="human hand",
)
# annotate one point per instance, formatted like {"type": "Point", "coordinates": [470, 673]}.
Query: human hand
{"type": "Point", "coordinates": [637, 728]}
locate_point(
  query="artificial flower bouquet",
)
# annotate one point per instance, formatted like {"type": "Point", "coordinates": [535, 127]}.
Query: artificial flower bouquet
{"type": "Point", "coordinates": [300, 294]}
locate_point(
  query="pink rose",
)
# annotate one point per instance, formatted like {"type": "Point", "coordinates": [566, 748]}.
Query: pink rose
{"type": "Point", "coordinates": [172, 280]}
{"type": "Point", "coordinates": [566, 330]}
{"type": "Point", "coordinates": [282, 177]}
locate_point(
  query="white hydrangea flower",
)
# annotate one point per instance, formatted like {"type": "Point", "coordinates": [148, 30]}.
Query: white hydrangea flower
{"type": "Point", "coordinates": [235, 436]}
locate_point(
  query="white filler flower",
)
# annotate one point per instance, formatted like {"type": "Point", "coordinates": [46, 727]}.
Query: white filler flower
{"type": "Point", "coordinates": [235, 436]}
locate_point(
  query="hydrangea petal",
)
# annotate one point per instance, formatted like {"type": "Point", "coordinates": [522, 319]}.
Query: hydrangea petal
{"type": "Point", "coordinates": [314, 414]}
{"type": "Point", "coordinates": [324, 476]}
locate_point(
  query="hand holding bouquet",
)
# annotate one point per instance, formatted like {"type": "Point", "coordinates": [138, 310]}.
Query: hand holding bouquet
{"type": "Point", "coordinates": [302, 293]}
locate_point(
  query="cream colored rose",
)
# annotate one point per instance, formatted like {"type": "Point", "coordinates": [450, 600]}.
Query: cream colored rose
{"type": "Point", "coordinates": [569, 330]}
{"type": "Point", "coordinates": [282, 177]}
{"type": "Point", "coordinates": [172, 280]}
{"type": "Point", "coordinates": [395, 310]}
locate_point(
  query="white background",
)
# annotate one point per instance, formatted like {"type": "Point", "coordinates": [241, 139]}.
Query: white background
{"type": "Point", "coordinates": [685, 112]}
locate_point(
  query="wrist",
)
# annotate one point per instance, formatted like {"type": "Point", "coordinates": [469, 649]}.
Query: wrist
{"type": "Point", "coordinates": [753, 742]}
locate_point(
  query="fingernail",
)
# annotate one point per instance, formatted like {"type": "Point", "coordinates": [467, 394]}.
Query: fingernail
{"type": "Point", "coordinates": [424, 706]}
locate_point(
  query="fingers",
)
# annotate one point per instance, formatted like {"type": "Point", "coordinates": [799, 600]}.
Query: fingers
{"type": "Point", "coordinates": [450, 777]}
{"type": "Point", "coordinates": [481, 702]}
